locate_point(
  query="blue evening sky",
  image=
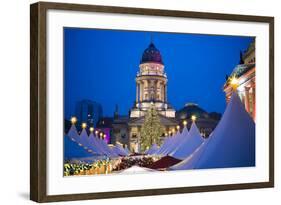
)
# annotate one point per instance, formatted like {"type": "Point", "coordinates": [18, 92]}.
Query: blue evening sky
{"type": "Point", "coordinates": [101, 65]}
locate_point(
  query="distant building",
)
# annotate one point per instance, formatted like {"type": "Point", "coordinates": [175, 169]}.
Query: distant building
{"type": "Point", "coordinates": [88, 111]}
{"type": "Point", "coordinates": [206, 122]}
{"type": "Point", "coordinates": [104, 125]}
{"type": "Point", "coordinates": [245, 72]}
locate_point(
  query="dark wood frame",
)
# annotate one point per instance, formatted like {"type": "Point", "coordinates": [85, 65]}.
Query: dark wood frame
{"type": "Point", "coordinates": [38, 96]}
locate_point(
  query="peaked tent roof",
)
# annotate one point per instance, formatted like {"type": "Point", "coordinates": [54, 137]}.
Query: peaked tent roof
{"type": "Point", "coordinates": [73, 150]}
{"type": "Point", "coordinates": [152, 149]}
{"type": "Point", "coordinates": [96, 144]}
{"type": "Point", "coordinates": [73, 133]}
{"type": "Point", "coordinates": [101, 144]}
{"type": "Point", "coordinates": [190, 143]}
{"type": "Point", "coordinates": [127, 150]}
{"type": "Point", "coordinates": [174, 144]}
{"type": "Point", "coordinates": [190, 161]}
{"type": "Point", "coordinates": [232, 143]}
{"type": "Point", "coordinates": [163, 146]}
{"type": "Point", "coordinates": [119, 150]}
{"type": "Point", "coordinates": [167, 146]}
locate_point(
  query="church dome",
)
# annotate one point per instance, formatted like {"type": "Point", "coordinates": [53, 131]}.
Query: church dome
{"type": "Point", "coordinates": [151, 55]}
{"type": "Point", "coordinates": [191, 109]}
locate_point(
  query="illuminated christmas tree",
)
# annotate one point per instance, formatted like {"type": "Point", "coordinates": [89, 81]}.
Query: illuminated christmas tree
{"type": "Point", "coordinates": [151, 130]}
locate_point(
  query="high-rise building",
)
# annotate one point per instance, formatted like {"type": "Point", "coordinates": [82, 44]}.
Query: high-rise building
{"type": "Point", "coordinates": [88, 111]}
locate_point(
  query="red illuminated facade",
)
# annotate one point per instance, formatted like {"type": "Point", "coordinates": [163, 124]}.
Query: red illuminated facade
{"type": "Point", "coordinates": [245, 72]}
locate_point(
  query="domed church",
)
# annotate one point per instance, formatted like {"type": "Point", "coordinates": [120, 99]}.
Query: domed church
{"type": "Point", "coordinates": [151, 89]}
{"type": "Point", "coordinates": [151, 85]}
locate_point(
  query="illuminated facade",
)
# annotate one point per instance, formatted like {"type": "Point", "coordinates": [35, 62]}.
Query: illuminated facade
{"type": "Point", "coordinates": [151, 85]}
{"type": "Point", "coordinates": [151, 88]}
{"type": "Point", "coordinates": [245, 73]}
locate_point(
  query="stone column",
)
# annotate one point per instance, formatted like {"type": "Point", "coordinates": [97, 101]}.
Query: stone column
{"type": "Point", "coordinates": [247, 107]}
{"type": "Point", "coordinates": [137, 92]}
{"type": "Point", "coordinates": [161, 91]}
{"type": "Point", "coordinates": [254, 102]}
{"type": "Point", "coordinates": [141, 91]}
{"type": "Point", "coordinates": [155, 89]}
{"type": "Point", "coordinates": [166, 93]}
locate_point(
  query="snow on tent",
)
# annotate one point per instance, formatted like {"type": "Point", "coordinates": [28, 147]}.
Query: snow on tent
{"type": "Point", "coordinates": [152, 149]}
{"type": "Point", "coordinates": [232, 143]}
{"type": "Point", "coordinates": [189, 144]}
{"type": "Point", "coordinates": [136, 170]}
{"type": "Point", "coordinates": [73, 150]}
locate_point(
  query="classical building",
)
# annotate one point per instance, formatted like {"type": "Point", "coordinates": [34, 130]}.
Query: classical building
{"type": "Point", "coordinates": [151, 85]}
{"type": "Point", "coordinates": [245, 74]}
{"type": "Point", "coordinates": [151, 88]}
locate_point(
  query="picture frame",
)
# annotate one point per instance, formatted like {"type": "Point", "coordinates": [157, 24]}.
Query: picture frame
{"type": "Point", "coordinates": [39, 100]}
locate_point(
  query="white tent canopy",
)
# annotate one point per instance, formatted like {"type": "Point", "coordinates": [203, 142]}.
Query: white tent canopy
{"type": "Point", "coordinates": [152, 149]}
{"type": "Point", "coordinates": [73, 134]}
{"type": "Point", "coordinates": [137, 170]}
{"type": "Point", "coordinates": [118, 149]}
{"type": "Point", "coordinates": [189, 143]}
{"type": "Point", "coordinates": [173, 144]}
{"type": "Point", "coordinates": [127, 151]}
{"type": "Point", "coordinates": [164, 145]}
{"type": "Point", "coordinates": [90, 142]}
{"type": "Point", "coordinates": [232, 143]}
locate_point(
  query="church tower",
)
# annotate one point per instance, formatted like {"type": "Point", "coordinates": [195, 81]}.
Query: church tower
{"type": "Point", "coordinates": [151, 85]}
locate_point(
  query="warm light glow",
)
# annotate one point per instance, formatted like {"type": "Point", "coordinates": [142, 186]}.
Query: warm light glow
{"type": "Point", "coordinates": [96, 132]}
{"type": "Point", "coordinates": [178, 127]}
{"type": "Point", "coordinates": [166, 134]}
{"type": "Point", "coordinates": [104, 135]}
{"type": "Point", "coordinates": [92, 129]}
{"type": "Point", "coordinates": [101, 134]}
{"type": "Point", "coordinates": [184, 122]}
{"type": "Point", "coordinates": [173, 130]}
{"type": "Point", "coordinates": [193, 118]}
{"type": "Point", "coordinates": [119, 143]}
{"type": "Point", "coordinates": [84, 125]}
{"type": "Point", "coordinates": [73, 120]}
{"type": "Point", "coordinates": [234, 82]}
